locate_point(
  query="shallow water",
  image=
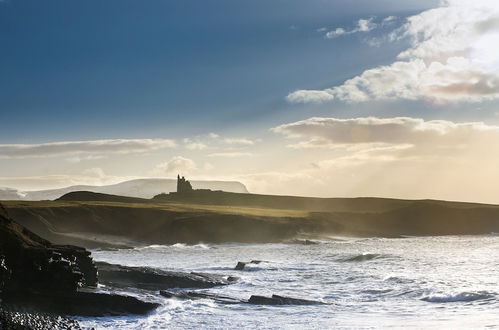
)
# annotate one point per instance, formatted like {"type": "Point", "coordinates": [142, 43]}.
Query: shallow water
{"type": "Point", "coordinates": [415, 282]}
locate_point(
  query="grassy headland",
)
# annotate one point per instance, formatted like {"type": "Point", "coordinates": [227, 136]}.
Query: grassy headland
{"type": "Point", "coordinates": [92, 219]}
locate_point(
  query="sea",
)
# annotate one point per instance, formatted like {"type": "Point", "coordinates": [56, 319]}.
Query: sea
{"type": "Point", "coordinates": [445, 282]}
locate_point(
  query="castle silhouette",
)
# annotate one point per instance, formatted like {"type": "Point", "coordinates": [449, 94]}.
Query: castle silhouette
{"type": "Point", "coordinates": [183, 185]}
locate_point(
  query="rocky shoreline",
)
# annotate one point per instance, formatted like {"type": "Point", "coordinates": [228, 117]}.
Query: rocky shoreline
{"type": "Point", "coordinates": [41, 283]}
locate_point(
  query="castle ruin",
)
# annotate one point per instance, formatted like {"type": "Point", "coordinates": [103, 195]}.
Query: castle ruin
{"type": "Point", "coordinates": [183, 185]}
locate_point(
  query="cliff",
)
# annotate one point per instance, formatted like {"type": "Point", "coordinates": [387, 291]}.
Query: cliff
{"type": "Point", "coordinates": [97, 220]}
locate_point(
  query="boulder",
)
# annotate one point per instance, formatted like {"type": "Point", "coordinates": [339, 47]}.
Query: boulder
{"type": "Point", "coordinates": [157, 279]}
{"type": "Point", "coordinates": [281, 300]}
{"type": "Point", "coordinates": [241, 264]}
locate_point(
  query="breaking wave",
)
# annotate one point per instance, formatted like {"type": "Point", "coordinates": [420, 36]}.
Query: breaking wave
{"type": "Point", "coordinates": [175, 246]}
{"type": "Point", "coordinates": [459, 297]}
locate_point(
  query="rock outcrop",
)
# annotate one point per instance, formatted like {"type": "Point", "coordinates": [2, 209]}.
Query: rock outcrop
{"type": "Point", "coordinates": [253, 300]}
{"type": "Point", "coordinates": [241, 264]}
{"type": "Point", "coordinates": [281, 300]}
{"type": "Point", "coordinates": [39, 277]}
{"type": "Point", "coordinates": [80, 303]}
{"type": "Point", "coordinates": [30, 263]}
{"type": "Point", "coordinates": [156, 279]}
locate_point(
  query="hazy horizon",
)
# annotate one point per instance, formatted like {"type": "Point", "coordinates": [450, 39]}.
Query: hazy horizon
{"type": "Point", "coordinates": [317, 98]}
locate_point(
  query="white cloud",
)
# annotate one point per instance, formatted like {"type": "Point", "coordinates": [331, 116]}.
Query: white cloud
{"type": "Point", "coordinates": [363, 25]}
{"type": "Point", "coordinates": [388, 20]}
{"type": "Point", "coordinates": [194, 145]}
{"type": "Point", "coordinates": [79, 159]}
{"type": "Point", "coordinates": [398, 130]}
{"type": "Point", "coordinates": [238, 141]}
{"type": "Point", "coordinates": [453, 57]}
{"type": "Point", "coordinates": [336, 32]}
{"type": "Point", "coordinates": [213, 135]}
{"type": "Point", "coordinates": [307, 96]}
{"type": "Point", "coordinates": [230, 154]}
{"type": "Point", "coordinates": [176, 165]}
{"type": "Point", "coordinates": [75, 147]}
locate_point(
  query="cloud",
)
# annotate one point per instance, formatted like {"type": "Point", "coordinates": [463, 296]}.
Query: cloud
{"type": "Point", "coordinates": [194, 145]}
{"type": "Point", "coordinates": [79, 159]}
{"type": "Point", "coordinates": [452, 57]}
{"type": "Point", "coordinates": [388, 20]}
{"type": "Point", "coordinates": [336, 32]}
{"type": "Point", "coordinates": [363, 25]}
{"type": "Point", "coordinates": [238, 141]}
{"type": "Point", "coordinates": [398, 130]}
{"type": "Point", "coordinates": [120, 146]}
{"type": "Point", "coordinates": [309, 96]}
{"type": "Point", "coordinates": [177, 165]}
{"type": "Point", "coordinates": [95, 176]}
{"type": "Point", "coordinates": [231, 154]}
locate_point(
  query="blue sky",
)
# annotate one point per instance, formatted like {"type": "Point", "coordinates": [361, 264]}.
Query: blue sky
{"type": "Point", "coordinates": [318, 97]}
{"type": "Point", "coordinates": [90, 69]}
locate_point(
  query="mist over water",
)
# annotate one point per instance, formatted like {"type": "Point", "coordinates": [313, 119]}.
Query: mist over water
{"type": "Point", "coordinates": [415, 282]}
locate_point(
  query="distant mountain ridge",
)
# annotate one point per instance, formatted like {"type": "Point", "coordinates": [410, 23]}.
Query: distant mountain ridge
{"type": "Point", "coordinates": [142, 188]}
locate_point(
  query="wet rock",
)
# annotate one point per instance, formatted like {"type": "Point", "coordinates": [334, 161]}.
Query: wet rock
{"type": "Point", "coordinates": [261, 300]}
{"type": "Point", "coordinates": [254, 300]}
{"type": "Point", "coordinates": [81, 303]}
{"type": "Point", "coordinates": [281, 300]}
{"type": "Point", "coordinates": [192, 295]}
{"type": "Point", "coordinates": [156, 279]}
{"type": "Point", "coordinates": [240, 264]}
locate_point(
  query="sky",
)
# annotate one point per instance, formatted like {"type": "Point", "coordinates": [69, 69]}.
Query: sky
{"type": "Point", "coordinates": [328, 98]}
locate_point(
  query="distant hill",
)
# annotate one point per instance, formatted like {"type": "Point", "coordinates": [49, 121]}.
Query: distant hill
{"type": "Point", "coordinates": [141, 188]}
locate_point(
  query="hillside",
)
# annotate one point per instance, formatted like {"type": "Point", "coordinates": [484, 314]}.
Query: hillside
{"type": "Point", "coordinates": [141, 188]}
{"type": "Point", "coordinates": [99, 220]}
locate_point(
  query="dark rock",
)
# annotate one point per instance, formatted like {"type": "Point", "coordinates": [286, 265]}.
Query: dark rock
{"type": "Point", "coordinates": [157, 279]}
{"type": "Point", "coordinates": [38, 276]}
{"type": "Point", "coordinates": [254, 300]}
{"type": "Point", "coordinates": [281, 300]}
{"type": "Point", "coordinates": [192, 295]}
{"type": "Point", "coordinates": [81, 303]}
{"type": "Point", "coordinates": [30, 263]}
{"type": "Point", "coordinates": [241, 264]}
{"type": "Point", "coordinates": [261, 300]}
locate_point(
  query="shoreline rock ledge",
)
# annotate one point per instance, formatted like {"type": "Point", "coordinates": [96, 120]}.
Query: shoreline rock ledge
{"type": "Point", "coordinates": [39, 277]}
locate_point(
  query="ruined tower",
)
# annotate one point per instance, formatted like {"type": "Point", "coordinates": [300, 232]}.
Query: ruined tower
{"type": "Point", "coordinates": [183, 185]}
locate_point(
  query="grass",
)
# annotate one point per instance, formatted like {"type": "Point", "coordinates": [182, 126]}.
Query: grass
{"type": "Point", "coordinates": [166, 206]}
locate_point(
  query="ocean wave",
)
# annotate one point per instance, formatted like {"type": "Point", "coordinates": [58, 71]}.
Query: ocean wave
{"type": "Point", "coordinates": [459, 297]}
{"type": "Point", "coordinates": [175, 246]}
{"type": "Point", "coordinates": [362, 257]}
